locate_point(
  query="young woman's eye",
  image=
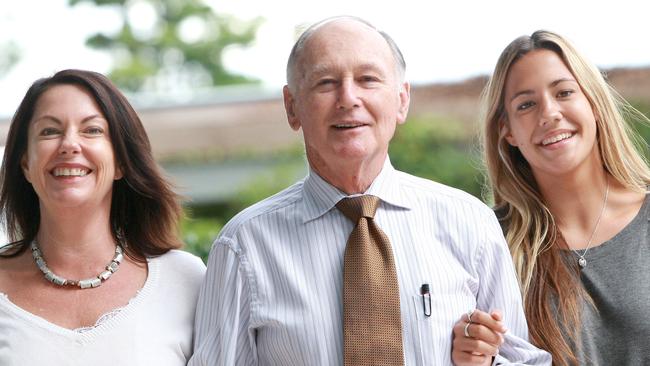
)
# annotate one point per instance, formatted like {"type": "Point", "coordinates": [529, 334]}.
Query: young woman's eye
{"type": "Point", "coordinates": [565, 93]}
{"type": "Point", "coordinates": [525, 105]}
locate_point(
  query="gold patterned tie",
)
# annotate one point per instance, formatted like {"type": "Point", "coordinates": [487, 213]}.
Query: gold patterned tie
{"type": "Point", "coordinates": [372, 322]}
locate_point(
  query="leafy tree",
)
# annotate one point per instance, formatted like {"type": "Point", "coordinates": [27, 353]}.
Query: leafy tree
{"type": "Point", "coordinates": [183, 48]}
{"type": "Point", "coordinates": [9, 55]}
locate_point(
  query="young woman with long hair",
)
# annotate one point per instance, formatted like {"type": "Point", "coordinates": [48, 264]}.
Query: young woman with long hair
{"type": "Point", "coordinates": [569, 187]}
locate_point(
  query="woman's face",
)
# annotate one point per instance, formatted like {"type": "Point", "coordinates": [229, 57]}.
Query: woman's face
{"type": "Point", "coordinates": [549, 119]}
{"type": "Point", "coordinates": [69, 159]}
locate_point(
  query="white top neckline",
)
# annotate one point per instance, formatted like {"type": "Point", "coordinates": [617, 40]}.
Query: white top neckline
{"type": "Point", "coordinates": [99, 328]}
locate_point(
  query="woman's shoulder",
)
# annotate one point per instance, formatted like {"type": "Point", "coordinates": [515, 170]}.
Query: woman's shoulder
{"type": "Point", "coordinates": [182, 256]}
{"type": "Point", "coordinates": [179, 276]}
{"type": "Point", "coordinates": [182, 263]}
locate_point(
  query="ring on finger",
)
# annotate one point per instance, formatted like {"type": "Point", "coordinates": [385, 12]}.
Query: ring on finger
{"type": "Point", "coordinates": [469, 315]}
{"type": "Point", "coordinates": [466, 330]}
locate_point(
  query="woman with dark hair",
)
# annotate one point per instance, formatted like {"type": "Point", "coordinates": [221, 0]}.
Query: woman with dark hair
{"type": "Point", "coordinates": [570, 188]}
{"type": "Point", "coordinates": [82, 197]}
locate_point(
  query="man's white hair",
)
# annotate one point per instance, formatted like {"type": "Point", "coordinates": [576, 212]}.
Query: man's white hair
{"type": "Point", "coordinates": [298, 48]}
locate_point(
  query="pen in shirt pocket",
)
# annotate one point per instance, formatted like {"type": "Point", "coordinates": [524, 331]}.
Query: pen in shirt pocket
{"type": "Point", "coordinates": [426, 299]}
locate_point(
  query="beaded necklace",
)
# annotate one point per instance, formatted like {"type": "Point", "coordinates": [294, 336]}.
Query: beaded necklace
{"type": "Point", "coordinates": [96, 281]}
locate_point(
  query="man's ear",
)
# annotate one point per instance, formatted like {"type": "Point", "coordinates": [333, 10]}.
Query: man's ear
{"type": "Point", "coordinates": [404, 101]}
{"type": "Point", "coordinates": [294, 122]}
{"type": "Point", "coordinates": [504, 132]}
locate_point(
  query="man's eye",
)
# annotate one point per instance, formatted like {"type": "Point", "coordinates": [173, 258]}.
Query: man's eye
{"type": "Point", "coordinates": [326, 81]}
{"type": "Point", "coordinates": [369, 78]}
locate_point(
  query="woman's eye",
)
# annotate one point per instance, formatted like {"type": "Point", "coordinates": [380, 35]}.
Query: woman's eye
{"type": "Point", "coordinates": [525, 105]}
{"type": "Point", "coordinates": [94, 131]}
{"type": "Point", "coordinates": [565, 93]}
{"type": "Point", "coordinates": [49, 131]}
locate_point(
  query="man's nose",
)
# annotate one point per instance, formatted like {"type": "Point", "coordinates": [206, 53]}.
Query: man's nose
{"type": "Point", "coordinates": [348, 96]}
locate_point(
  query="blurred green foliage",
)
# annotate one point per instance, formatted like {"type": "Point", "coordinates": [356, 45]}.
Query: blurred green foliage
{"type": "Point", "coordinates": [267, 184]}
{"type": "Point", "coordinates": [9, 56]}
{"type": "Point", "coordinates": [203, 222]}
{"type": "Point", "coordinates": [641, 125]}
{"type": "Point", "coordinates": [183, 48]}
{"type": "Point", "coordinates": [427, 146]}
{"type": "Point", "coordinates": [198, 234]}
{"type": "Point", "coordinates": [439, 149]}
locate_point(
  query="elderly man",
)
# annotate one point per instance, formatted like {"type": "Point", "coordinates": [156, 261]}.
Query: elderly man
{"type": "Point", "coordinates": [357, 264]}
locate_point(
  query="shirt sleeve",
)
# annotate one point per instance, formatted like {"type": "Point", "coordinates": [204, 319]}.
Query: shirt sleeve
{"type": "Point", "coordinates": [499, 290]}
{"type": "Point", "coordinates": [223, 335]}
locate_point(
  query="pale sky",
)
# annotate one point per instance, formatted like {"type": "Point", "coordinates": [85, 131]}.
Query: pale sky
{"type": "Point", "coordinates": [441, 40]}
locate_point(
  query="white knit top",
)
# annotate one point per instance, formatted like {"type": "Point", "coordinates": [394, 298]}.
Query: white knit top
{"type": "Point", "coordinates": [155, 328]}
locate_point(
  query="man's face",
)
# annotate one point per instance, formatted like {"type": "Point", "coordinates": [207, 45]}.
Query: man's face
{"type": "Point", "coordinates": [347, 97]}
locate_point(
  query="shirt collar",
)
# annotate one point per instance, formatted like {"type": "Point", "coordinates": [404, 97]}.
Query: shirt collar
{"type": "Point", "coordinates": [319, 196]}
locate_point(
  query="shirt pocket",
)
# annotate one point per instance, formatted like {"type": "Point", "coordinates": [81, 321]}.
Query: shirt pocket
{"type": "Point", "coordinates": [429, 351]}
{"type": "Point", "coordinates": [435, 332]}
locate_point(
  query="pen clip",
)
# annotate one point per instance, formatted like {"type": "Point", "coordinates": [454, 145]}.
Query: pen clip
{"type": "Point", "coordinates": [426, 297]}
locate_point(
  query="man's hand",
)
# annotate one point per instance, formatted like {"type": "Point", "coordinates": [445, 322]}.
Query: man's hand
{"type": "Point", "coordinates": [477, 337]}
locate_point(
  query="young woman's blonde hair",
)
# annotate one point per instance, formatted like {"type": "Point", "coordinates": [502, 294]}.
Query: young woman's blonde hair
{"type": "Point", "coordinates": [550, 285]}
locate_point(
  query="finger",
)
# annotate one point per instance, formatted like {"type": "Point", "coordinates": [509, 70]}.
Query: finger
{"type": "Point", "coordinates": [459, 328]}
{"type": "Point", "coordinates": [469, 359]}
{"type": "Point", "coordinates": [489, 321]}
{"type": "Point", "coordinates": [478, 332]}
{"type": "Point", "coordinates": [475, 346]}
{"type": "Point", "coordinates": [480, 340]}
{"type": "Point", "coordinates": [471, 315]}
{"type": "Point", "coordinates": [496, 315]}
{"type": "Point", "coordinates": [483, 333]}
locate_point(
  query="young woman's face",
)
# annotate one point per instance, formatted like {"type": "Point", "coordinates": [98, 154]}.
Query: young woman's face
{"type": "Point", "coordinates": [549, 119]}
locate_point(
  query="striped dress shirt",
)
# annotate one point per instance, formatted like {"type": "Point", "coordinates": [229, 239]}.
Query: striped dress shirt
{"type": "Point", "coordinates": [273, 290]}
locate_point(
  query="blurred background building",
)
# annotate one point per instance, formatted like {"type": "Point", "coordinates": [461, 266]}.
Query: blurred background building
{"type": "Point", "coordinates": [206, 79]}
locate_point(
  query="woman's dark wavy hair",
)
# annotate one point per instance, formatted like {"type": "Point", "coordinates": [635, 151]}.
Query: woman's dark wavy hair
{"type": "Point", "coordinates": [145, 211]}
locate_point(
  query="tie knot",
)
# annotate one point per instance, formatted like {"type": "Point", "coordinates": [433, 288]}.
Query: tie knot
{"type": "Point", "coordinates": [355, 208]}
